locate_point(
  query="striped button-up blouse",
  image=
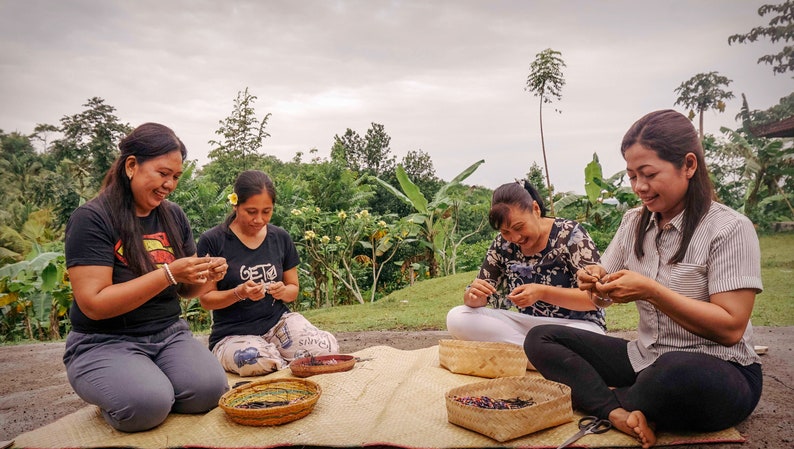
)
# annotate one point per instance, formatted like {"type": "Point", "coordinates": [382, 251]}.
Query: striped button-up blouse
{"type": "Point", "coordinates": [723, 255]}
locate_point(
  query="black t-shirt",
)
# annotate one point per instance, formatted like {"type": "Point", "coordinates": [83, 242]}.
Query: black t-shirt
{"type": "Point", "coordinates": [267, 263]}
{"type": "Point", "coordinates": [91, 240]}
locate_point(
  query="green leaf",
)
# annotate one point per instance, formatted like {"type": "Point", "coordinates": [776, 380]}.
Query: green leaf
{"type": "Point", "coordinates": [418, 200]}
{"type": "Point", "coordinates": [49, 277]}
{"type": "Point", "coordinates": [593, 172]}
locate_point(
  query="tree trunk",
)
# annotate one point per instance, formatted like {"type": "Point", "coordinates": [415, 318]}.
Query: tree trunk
{"type": "Point", "coordinates": [701, 124]}
{"type": "Point", "coordinates": [545, 163]}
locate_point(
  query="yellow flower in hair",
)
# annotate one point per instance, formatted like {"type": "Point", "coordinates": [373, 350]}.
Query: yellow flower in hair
{"type": "Point", "coordinates": [232, 199]}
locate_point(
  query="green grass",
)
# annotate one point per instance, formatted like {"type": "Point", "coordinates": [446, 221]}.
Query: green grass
{"type": "Point", "coordinates": [424, 306]}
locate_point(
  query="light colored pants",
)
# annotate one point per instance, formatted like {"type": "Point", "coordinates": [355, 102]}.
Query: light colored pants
{"type": "Point", "coordinates": [291, 338]}
{"type": "Point", "coordinates": [499, 325]}
{"type": "Point", "coordinates": [137, 380]}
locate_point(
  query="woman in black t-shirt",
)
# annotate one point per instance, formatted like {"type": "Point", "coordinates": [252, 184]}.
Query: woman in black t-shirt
{"type": "Point", "coordinates": [130, 254]}
{"type": "Point", "coordinates": [253, 331]}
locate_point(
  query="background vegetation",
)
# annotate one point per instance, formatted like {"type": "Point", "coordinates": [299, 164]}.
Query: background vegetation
{"type": "Point", "coordinates": [425, 306]}
{"type": "Point", "coordinates": [369, 226]}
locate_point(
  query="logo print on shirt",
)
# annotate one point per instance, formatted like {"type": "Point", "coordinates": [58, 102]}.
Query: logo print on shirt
{"type": "Point", "coordinates": [157, 245]}
{"type": "Point", "coordinates": [265, 272]}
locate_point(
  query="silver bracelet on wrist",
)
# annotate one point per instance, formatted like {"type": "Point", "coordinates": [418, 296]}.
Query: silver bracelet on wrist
{"type": "Point", "coordinates": [237, 295]}
{"type": "Point", "coordinates": [169, 275]}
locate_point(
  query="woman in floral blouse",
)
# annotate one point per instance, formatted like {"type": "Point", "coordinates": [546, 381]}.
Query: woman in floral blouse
{"type": "Point", "coordinates": [531, 265]}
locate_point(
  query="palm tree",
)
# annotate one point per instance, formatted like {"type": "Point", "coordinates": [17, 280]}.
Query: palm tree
{"type": "Point", "coordinates": [545, 81]}
{"type": "Point", "coordinates": [703, 92]}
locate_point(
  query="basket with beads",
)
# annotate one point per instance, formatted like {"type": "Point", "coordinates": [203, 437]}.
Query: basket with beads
{"type": "Point", "coordinates": [509, 407]}
{"type": "Point", "coordinates": [270, 402]}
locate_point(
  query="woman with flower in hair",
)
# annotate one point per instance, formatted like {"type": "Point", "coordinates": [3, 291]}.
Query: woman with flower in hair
{"type": "Point", "coordinates": [253, 330]}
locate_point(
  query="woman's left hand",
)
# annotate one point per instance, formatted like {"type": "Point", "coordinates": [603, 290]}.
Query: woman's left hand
{"type": "Point", "coordinates": [525, 295]}
{"type": "Point", "coordinates": [217, 269]}
{"type": "Point", "coordinates": [277, 289]}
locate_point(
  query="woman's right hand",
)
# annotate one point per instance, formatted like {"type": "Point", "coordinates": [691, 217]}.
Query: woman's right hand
{"type": "Point", "coordinates": [252, 290]}
{"type": "Point", "coordinates": [478, 292]}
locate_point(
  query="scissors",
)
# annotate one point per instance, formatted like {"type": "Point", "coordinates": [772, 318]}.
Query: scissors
{"type": "Point", "coordinates": [588, 425]}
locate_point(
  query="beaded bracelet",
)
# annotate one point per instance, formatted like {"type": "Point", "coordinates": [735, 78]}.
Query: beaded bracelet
{"type": "Point", "coordinates": [169, 275]}
{"type": "Point", "coordinates": [239, 298]}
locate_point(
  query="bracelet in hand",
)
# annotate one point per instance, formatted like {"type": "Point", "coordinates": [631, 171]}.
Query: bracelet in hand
{"type": "Point", "coordinates": [168, 275]}
{"type": "Point", "coordinates": [237, 295]}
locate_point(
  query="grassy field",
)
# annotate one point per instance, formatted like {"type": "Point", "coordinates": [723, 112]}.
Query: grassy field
{"type": "Point", "coordinates": [424, 305]}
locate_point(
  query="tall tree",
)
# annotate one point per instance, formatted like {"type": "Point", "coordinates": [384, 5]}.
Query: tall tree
{"type": "Point", "coordinates": [702, 92]}
{"type": "Point", "coordinates": [370, 155]}
{"type": "Point", "coordinates": [780, 28]}
{"type": "Point", "coordinates": [89, 144]}
{"type": "Point", "coordinates": [241, 134]}
{"type": "Point", "coordinates": [418, 165]}
{"type": "Point", "coordinates": [546, 81]}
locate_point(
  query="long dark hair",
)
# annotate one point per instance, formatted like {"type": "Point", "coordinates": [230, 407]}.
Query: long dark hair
{"type": "Point", "coordinates": [147, 141]}
{"type": "Point", "coordinates": [248, 184]}
{"type": "Point", "coordinates": [672, 136]}
{"type": "Point", "coordinates": [520, 193]}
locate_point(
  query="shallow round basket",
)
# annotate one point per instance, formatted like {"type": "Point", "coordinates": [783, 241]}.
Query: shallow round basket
{"type": "Point", "coordinates": [322, 364]}
{"type": "Point", "coordinates": [277, 401]}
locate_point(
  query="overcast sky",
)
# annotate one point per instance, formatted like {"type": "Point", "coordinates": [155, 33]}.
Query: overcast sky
{"type": "Point", "coordinates": [444, 77]}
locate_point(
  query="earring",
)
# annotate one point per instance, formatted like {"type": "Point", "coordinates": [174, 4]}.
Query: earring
{"type": "Point", "coordinates": [129, 175]}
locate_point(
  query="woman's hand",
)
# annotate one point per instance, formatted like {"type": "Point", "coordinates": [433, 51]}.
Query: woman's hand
{"type": "Point", "coordinates": [252, 290]}
{"type": "Point", "coordinates": [478, 292]}
{"type": "Point", "coordinates": [217, 269]}
{"type": "Point", "coordinates": [624, 286]}
{"type": "Point", "coordinates": [525, 295]}
{"type": "Point", "coordinates": [197, 270]}
{"type": "Point", "coordinates": [589, 276]}
{"type": "Point", "coordinates": [277, 290]}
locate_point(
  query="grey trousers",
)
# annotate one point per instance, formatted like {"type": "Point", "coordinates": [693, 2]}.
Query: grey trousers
{"type": "Point", "coordinates": [136, 381]}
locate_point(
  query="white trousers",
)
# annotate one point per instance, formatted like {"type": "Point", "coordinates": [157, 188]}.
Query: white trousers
{"type": "Point", "coordinates": [498, 325]}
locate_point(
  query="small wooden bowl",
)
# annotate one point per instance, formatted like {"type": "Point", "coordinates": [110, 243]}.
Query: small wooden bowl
{"type": "Point", "coordinates": [321, 364]}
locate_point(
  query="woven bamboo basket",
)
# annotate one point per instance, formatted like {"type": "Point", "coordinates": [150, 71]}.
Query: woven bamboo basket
{"type": "Point", "coordinates": [482, 358]}
{"type": "Point", "coordinates": [321, 364]}
{"type": "Point", "coordinates": [296, 399]}
{"type": "Point", "coordinates": [552, 407]}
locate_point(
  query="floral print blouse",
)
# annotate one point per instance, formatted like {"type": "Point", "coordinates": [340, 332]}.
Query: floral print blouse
{"type": "Point", "coordinates": [569, 249]}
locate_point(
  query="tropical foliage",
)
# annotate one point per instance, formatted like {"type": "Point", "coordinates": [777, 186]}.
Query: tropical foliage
{"type": "Point", "coordinates": [365, 223]}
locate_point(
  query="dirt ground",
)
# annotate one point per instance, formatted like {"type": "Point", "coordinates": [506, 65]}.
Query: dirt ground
{"type": "Point", "coordinates": [34, 390]}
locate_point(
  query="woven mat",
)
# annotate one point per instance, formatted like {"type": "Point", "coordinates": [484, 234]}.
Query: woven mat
{"type": "Point", "coordinates": [395, 399]}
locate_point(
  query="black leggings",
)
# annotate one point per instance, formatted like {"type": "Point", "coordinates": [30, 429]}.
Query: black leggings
{"type": "Point", "coordinates": [682, 391]}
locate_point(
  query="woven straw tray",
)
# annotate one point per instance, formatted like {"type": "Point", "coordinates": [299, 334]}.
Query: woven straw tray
{"type": "Point", "coordinates": [295, 398]}
{"type": "Point", "coordinates": [482, 358]}
{"type": "Point", "coordinates": [552, 407]}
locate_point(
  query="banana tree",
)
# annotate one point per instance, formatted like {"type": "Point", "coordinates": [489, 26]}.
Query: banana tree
{"type": "Point", "coordinates": [768, 164]}
{"type": "Point", "coordinates": [433, 218]}
{"type": "Point", "coordinates": [603, 205]}
{"type": "Point", "coordinates": [37, 290]}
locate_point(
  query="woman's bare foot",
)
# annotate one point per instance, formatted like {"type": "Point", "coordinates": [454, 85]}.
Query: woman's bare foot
{"type": "Point", "coordinates": [633, 424]}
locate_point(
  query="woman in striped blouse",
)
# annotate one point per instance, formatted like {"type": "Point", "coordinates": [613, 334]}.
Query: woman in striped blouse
{"type": "Point", "coordinates": [692, 268]}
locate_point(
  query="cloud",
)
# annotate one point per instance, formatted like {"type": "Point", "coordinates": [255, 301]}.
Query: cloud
{"type": "Point", "coordinates": [446, 77]}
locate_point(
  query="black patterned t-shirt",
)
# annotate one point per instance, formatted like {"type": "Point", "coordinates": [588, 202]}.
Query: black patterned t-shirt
{"type": "Point", "coordinates": [569, 249]}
